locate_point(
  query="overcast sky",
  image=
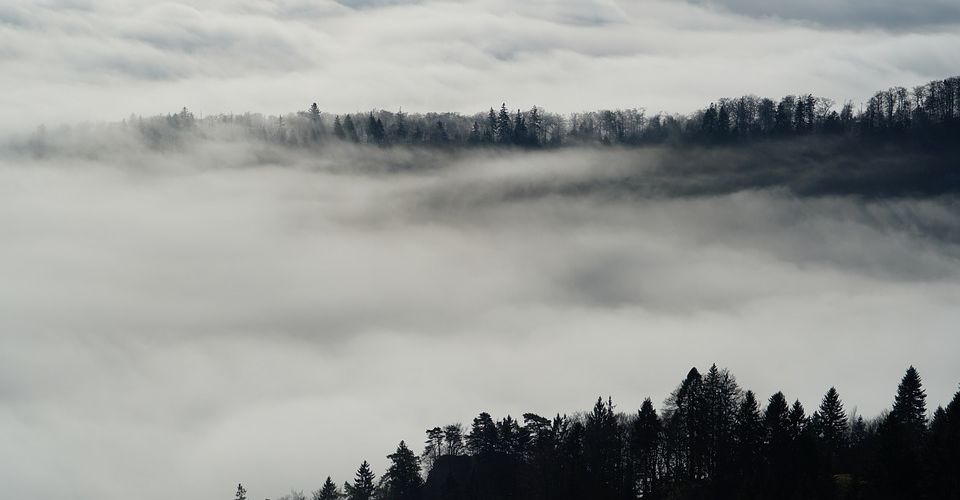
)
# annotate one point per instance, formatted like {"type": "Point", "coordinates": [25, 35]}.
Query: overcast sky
{"type": "Point", "coordinates": [172, 324]}
{"type": "Point", "coordinates": [70, 60]}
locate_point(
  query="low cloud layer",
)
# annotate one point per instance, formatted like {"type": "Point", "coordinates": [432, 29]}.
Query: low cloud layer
{"type": "Point", "coordinates": [208, 310]}
{"type": "Point", "coordinates": [70, 61]}
{"type": "Point", "coordinates": [888, 14]}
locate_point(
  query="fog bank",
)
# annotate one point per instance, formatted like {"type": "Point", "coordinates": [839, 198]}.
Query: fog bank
{"type": "Point", "coordinates": [206, 310]}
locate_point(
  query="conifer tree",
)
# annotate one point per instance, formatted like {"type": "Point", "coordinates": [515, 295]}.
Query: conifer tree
{"type": "Point", "coordinates": [776, 420]}
{"type": "Point", "coordinates": [400, 127]}
{"type": "Point", "coordinates": [402, 479]}
{"type": "Point", "coordinates": [476, 137]}
{"type": "Point", "coordinates": [241, 493]}
{"type": "Point", "coordinates": [943, 452]}
{"type": "Point", "coordinates": [490, 134]}
{"type": "Point", "coordinates": [363, 487]}
{"type": "Point", "coordinates": [797, 419]}
{"type": "Point", "coordinates": [537, 131]}
{"type": "Point", "coordinates": [483, 438]}
{"type": "Point", "coordinates": [830, 424]}
{"type": "Point", "coordinates": [520, 129]}
{"type": "Point", "coordinates": [327, 492]}
{"type": "Point", "coordinates": [721, 394]}
{"type": "Point", "coordinates": [644, 443]}
{"type": "Point", "coordinates": [910, 404]}
{"type": "Point", "coordinates": [338, 130]}
{"type": "Point", "coordinates": [504, 127]}
{"type": "Point", "coordinates": [748, 438]}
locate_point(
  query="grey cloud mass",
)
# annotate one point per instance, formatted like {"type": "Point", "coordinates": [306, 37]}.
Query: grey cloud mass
{"type": "Point", "coordinates": [851, 13]}
{"type": "Point", "coordinates": [208, 309]}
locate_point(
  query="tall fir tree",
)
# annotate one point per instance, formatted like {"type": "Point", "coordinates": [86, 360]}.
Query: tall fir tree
{"type": "Point", "coordinates": [830, 425]}
{"type": "Point", "coordinates": [363, 487]}
{"type": "Point", "coordinates": [504, 127]}
{"type": "Point", "coordinates": [402, 479]}
{"type": "Point", "coordinates": [644, 445]}
{"type": "Point", "coordinates": [910, 404]}
{"type": "Point", "coordinates": [483, 438]}
{"type": "Point", "coordinates": [328, 491]}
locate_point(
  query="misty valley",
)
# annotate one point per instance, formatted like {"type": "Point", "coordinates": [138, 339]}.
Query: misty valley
{"type": "Point", "coordinates": [301, 292]}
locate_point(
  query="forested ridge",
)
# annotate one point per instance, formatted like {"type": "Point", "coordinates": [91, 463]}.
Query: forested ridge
{"type": "Point", "coordinates": [928, 114]}
{"type": "Point", "coordinates": [710, 439]}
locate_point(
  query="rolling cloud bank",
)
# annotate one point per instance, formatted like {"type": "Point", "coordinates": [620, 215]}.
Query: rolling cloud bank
{"type": "Point", "coordinates": [205, 309]}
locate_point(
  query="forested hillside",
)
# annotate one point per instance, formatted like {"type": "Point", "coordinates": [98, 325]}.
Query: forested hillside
{"type": "Point", "coordinates": [711, 439]}
{"type": "Point", "coordinates": [928, 114]}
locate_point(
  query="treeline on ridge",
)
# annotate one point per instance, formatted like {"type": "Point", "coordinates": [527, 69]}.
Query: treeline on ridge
{"type": "Point", "coordinates": [928, 113]}
{"type": "Point", "coordinates": [710, 440]}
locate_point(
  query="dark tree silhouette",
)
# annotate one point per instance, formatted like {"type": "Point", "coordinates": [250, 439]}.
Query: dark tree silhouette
{"type": "Point", "coordinates": [241, 493]}
{"type": "Point", "coordinates": [644, 443]}
{"type": "Point", "coordinates": [483, 438]}
{"type": "Point", "coordinates": [402, 479]}
{"type": "Point", "coordinates": [910, 404]}
{"type": "Point", "coordinates": [504, 127]}
{"type": "Point", "coordinates": [363, 487]}
{"type": "Point", "coordinates": [712, 441]}
{"type": "Point", "coordinates": [830, 425]}
{"type": "Point", "coordinates": [328, 491]}
{"type": "Point", "coordinates": [453, 439]}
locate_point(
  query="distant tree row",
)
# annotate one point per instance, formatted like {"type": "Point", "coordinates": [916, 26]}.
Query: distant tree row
{"type": "Point", "coordinates": [929, 113]}
{"type": "Point", "coordinates": [710, 440]}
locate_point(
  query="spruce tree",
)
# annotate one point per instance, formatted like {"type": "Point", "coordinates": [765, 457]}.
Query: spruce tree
{"type": "Point", "coordinates": [644, 443]}
{"type": "Point", "coordinates": [476, 137]}
{"type": "Point", "coordinates": [537, 135]}
{"type": "Point", "coordinates": [830, 424]}
{"type": "Point", "coordinates": [684, 422]}
{"type": "Point", "coordinates": [363, 486]}
{"type": "Point", "coordinates": [402, 479]}
{"type": "Point", "coordinates": [943, 452]}
{"type": "Point", "coordinates": [748, 438]}
{"type": "Point", "coordinates": [504, 127]}
{"type": "Point", "coordinates": [721, 394]}
{"type": "Point", "coordinates": [797, 419]}
{"type": "Point", "coordinates": [482, 438]}
{"type": "Point", "coordinates": [778, 447]}
{"type": "Point", "coordinates": [327, 492]}
{"type": "Point", "coordinates": [490, 133]}
{"type": "Point", "coordinates": [520, 129]}
{"type": "Point", "coordinates": [910, 404]}
{"type": "Point", "coordinates": [776, 420]}
{"type": "Point", "coordinates": [241, 492]}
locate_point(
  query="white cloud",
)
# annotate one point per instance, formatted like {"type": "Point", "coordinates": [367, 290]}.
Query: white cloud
{"type": "Point", "coordinates": [104, 60]}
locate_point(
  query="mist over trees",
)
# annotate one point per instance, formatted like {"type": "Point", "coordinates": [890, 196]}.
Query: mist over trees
{"type": "Point", "coordinates": [928, 115]}
{"type": "Point", "coordinates": [710, 439]}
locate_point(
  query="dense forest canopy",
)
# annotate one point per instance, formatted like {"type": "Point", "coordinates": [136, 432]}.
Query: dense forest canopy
{"type": "Point", "coordinates": [710, 439]}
